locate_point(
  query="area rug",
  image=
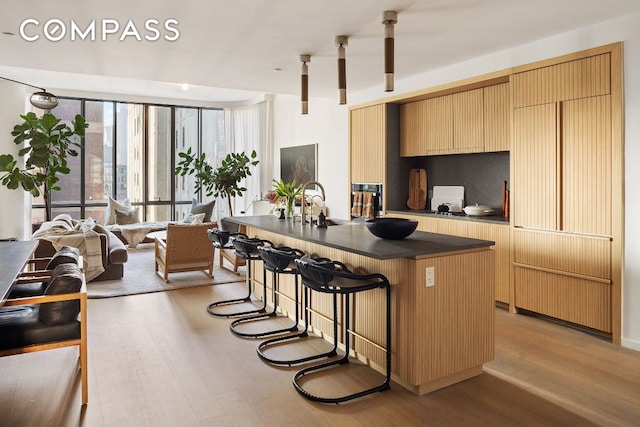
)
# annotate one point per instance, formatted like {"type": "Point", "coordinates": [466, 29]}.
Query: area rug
{"type": "Point", "coordinates": [140, 277]}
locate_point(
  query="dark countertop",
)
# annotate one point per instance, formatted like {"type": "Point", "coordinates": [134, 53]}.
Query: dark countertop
{"type": "Point", "coordinates": [354, 237]}
{"type": "Point", "coordinates": [493, 219]}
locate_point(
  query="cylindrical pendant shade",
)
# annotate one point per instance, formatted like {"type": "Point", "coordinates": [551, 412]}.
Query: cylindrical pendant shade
{"type": "Point", "coordinates": [389, 18]}
{"type": "Point", "coordinates": [341, 41]}
{"type": "Point", "coordinates": [304, 84]}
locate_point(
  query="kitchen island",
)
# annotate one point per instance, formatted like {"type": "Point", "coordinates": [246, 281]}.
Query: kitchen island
{"type": "Point", "coordinates": [442, 331]}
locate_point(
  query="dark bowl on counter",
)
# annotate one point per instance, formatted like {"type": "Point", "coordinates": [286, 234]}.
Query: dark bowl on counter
{"type": "Point", "coordinates": [391, 228]}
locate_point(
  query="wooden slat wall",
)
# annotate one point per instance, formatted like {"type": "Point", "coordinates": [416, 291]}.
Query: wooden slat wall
{"type": "Point", "coordinates": [368, 143]}
{"type": "Point", "coordinates": [497, 118]}
{"type": "Point", "coordinates": [534, 184]}
{"type": "Point", "coordinates": [581, 78]}
{"type": "Point", "coordinates": [573, 299]}
{"type": "Point", "coordinates": [564, 252]}
{"type": "Point", "coordinates": [436, 331]}
{"type": "Point", "coordinates": [586, 165]}
{"type": "Point", "coordinates": [468, 121]}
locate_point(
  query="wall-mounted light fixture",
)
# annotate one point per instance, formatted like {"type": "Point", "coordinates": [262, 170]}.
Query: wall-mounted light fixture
{"type": "Point", "coordinates": [341, 42]}
{"type": "Point", "coordinates": [41, 99]}
{"type": "Point", "coordinates": [389, 18]}
{"type": "Point", "coordinates": [304, 80]}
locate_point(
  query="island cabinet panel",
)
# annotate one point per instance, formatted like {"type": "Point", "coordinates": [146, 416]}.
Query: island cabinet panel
{"type": "Point", "coordinates": [497, 118]}
{"type": "Point", "coordinates": [440, 335]}
{"type": "Point", "coordinates": [368, 143]}
{"type": "Point", "coordinates": [468, 121]}
{"type": "Point", "coordinates": [498, 233]}
{"type": "Point", "coordinates": [581, 78]}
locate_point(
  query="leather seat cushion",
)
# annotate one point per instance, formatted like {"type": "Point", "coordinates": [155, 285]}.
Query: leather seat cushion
{"type": "Point", "coordinates": [65, 279]}
{"type": "Point", "coordinates": [20, 326]}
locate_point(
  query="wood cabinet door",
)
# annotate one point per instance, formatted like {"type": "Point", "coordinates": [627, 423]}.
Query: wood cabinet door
{"type": "Point", "coordinates": [413, 129]}
{"type": "Point", "coordinates": [367, 143]}
{"type": "Point", "coordinates": [468, 121]}
{"type": "Point", "coordinates": [535, 165]}
{"type": "Point", "coordinates": [497, 118]}
{"type": "Point", "coordinates": [439, 125]}
{"type": "Point", "coordinates": [586, 165]}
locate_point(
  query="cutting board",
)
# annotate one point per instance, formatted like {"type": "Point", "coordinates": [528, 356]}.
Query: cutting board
{"type": "Point", "coordinates": [417, 189]}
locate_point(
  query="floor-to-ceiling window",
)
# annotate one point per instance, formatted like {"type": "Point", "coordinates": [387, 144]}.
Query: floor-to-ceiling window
{"type": "Point", "coordinates": [130, 152]}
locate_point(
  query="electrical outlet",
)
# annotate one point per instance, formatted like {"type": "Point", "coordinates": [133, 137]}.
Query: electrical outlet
{"type": "Point", "coordinates": [430, 274]}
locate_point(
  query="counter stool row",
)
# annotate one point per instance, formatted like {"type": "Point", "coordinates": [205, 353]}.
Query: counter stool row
{"type": "Point", "coordinates": [318, 274]}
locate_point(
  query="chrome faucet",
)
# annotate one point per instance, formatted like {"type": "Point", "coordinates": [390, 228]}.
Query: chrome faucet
{"type": "Point", "coordinates": [303, 203]}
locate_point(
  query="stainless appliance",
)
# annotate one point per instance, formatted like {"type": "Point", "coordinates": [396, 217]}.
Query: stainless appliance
{"type": "Point", "coordinates": [367, 187]}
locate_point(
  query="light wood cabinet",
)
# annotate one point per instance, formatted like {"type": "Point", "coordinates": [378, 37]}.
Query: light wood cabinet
{"type": "Point", "coordinates": [562, 166]}
{"type": "Point", "coordinates": [580, 78]}
{"type": "Point", "coordinates": [426, 127]}
{"type": "Point", "coordinates": [367, 148]}
{"type": "Point", "coordinates": [497, 118]}
{"type": "Point", "coordinates": [468, 121]}
{"type": "Point", "coordinates": [498, 233]}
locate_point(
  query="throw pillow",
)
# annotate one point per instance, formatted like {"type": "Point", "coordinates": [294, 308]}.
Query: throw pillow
{"type": "Point", "coordinates": [112, 205]}
{"type": "Point", "coordinates": [205, 208]}
{"type": "Point", "coordinates": [127, 217]}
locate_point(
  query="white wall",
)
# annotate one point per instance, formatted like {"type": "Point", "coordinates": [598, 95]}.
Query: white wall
{"type": "Point", "coordinates": [624, 29]}
{"type": "Point", "coordinates": [13, 215]}
{"type": "Point", "coordinates": [325, 125]}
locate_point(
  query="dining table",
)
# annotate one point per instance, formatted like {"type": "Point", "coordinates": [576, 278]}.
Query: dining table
{"type": "Point", "coordinates": [13, 258]}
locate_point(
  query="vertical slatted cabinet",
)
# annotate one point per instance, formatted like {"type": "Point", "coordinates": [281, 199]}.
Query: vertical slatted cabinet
{"type": "Point", "coordinates": [367, 143]}
{"type": "Point", "coordinates": [562, 155]}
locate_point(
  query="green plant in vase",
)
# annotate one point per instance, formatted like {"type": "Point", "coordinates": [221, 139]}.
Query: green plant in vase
{"type": "Point", "coordinates": [287, 192]}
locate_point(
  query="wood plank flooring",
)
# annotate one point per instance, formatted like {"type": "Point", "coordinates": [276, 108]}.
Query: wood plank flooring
{"type": "Point", "coordinates": [161, 360]}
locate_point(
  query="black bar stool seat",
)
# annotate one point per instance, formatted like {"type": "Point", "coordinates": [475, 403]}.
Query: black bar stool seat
{"type": "Point", "coordinates": [333, 277]}
{"type": "Point", "coordinates": [278, 261]}
{"type": "Point", "coordinates": [245, 248]}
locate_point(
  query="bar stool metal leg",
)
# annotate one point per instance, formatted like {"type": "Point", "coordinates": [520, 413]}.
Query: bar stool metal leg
{"type": "Point", "coordinates": [276, 260]}
{"type": "Point", "coordinates": [320, 276]}
{"type": "Point", "coordinates": [221, 239]}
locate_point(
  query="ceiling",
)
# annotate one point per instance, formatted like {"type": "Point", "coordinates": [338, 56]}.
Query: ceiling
{"type": "Point", "coordinates": [230, 50]}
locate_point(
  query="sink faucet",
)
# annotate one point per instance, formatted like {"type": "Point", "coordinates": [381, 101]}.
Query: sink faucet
{"type": "Point", "coordinates": [303, 203]}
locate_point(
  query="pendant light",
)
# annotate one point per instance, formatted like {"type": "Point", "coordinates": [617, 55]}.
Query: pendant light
{"type": "Point", "coordinates": [389, 18]}
{"type": "Point", "coordinates": [304, 79]}
{"type": "Point", "coordinates": [41, 99]}
{"type": "Point", "coordinates": [341, 42]}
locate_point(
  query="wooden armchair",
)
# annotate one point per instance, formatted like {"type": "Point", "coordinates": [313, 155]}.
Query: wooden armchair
{"type": "Point", "coordinates": [55, 319]}
{"type": "Point", "coordinates": [187, 248]}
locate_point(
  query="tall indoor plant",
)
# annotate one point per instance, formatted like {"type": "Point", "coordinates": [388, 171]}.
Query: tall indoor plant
{"type": "Point", "coordinates": [47, 143]}
{"type": "Point", "coordinates": [224, 181]}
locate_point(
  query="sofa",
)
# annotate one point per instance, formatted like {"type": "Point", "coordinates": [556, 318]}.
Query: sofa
{"type": "Point", "coordinates": [113, 252]}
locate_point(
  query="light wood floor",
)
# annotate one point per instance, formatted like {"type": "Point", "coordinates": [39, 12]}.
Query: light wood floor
{"type": "Point", "coordinates": [161, 360]}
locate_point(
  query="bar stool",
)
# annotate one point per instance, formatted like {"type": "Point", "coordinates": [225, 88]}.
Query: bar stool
{"type": "Point", "coordinates": [277, 261]}
{"type": "Point", "coordinates": [246, 249]}
{"type": "Point", "coordinates": [265, 345]}
{"type": "Point", "coordinates": [333, 277]}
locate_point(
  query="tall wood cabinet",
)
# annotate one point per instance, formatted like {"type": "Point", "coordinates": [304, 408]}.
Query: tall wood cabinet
{"type": "Point", "coordinates": [367, 127]}
{"type": "Point", "coordinates": [562, 191]}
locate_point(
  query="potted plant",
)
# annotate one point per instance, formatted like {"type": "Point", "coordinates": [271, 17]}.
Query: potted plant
{"type": "Point", "coordinates": [224, 181]}
{"type": "Point", "coordinates": [48, 142]}
{"type": "Point", "coordinates": [287, 192]}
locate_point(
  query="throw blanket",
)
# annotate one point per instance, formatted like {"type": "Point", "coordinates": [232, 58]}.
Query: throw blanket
{"type": "Point", "coordinates": [82, 236]}
{"type": "Point", "coordinates": [135, 233]}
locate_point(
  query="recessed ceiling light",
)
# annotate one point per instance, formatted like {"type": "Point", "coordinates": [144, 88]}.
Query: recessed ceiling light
{"type": "Point", "coordinates": [185, 86]}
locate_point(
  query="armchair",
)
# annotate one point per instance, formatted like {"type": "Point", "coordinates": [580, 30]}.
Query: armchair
{"type": "Point", "coordinates": [56, 319]}
{"type": "Point", "coordinates": [187, 248]}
